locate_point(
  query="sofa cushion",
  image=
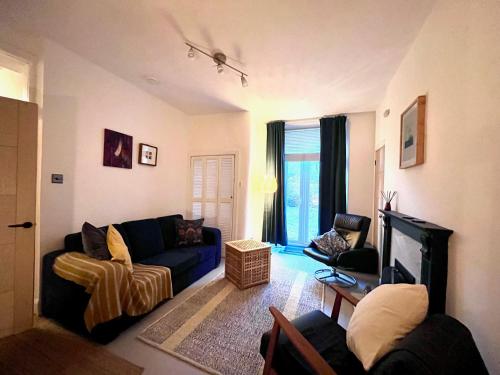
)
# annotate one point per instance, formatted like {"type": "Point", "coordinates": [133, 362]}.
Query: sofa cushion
{"type": "Point", "coordinates": [177, 260]}
{"type": "Point", "coordinates": [167, 225]}
{"type": "Point", "coordinates": [325, 335]}
{"type": "Point", "coordinates": [94, 242]}
{"type": "Point", "coordinates": [118, 248]}
{"type": "Point", "coordinates": [203, 252]}
{"type": "Point", "coordinates": [189, 232]}
{"type": "Point", "coordinates": [145, 238]}
{"type": "Point", "coordinates": [74, 242]}
{"type": "Point", "coordinates": [331, 243]}
{"type": "Point", "coordinates": [383, 317]}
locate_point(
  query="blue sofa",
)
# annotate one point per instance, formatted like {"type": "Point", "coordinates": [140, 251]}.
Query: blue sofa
{"type": "Point", "coordinates": [150, 241]}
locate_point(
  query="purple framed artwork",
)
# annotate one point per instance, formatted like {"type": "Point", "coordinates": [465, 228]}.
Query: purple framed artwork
{"type": "Point", "coordinates": [117, 150]}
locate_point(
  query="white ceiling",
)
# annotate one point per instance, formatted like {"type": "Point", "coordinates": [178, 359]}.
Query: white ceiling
{"type": "Point", "coordinates": [303, 57]}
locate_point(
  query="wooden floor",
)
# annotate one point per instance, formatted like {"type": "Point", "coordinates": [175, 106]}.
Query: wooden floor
{"type": "Point", "coordinates": [49, 349]}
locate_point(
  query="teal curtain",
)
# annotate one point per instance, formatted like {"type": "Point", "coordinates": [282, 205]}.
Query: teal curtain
{"type": "Point", "coordinates": [332, 170]}
{"type": "Point", "coordinates": [274, 221]}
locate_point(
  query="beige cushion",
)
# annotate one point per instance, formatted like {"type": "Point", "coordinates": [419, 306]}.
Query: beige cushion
{"type": "Point", "coordinates": [383, 317]}
{"type": "Point", "coordinates": [118, 248]}
{"type": "Point", "coordinates": [351, 237]}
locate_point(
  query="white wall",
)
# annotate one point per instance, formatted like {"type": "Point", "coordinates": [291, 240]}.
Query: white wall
{"type": "Point", "coordinates": [225, 133]}
{"type": "Point", "coordinates": [455, 60]}
{"type": "Point", "coordinates": [361, 165]}
{"type": "Point", "coordinates": [80, 99]}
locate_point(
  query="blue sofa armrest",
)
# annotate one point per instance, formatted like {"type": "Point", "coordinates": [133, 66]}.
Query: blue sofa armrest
{"type": "Point", "coordinates": [61, 299]}
{"type": "Point", "coordinates": [212, 236]}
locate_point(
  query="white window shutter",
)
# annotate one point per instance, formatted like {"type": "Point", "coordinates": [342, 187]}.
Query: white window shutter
{"type": "Point", "coordinates": [211, 183]}
{"type": "Point", "coordinates": [225, 221]}
{"type": "Point", "coordinates": [196, 210]}
{"type": "Point", "coordinates": [210, 214]}
{"type": "Point", "coordinates": [213, 192]}
{"type": "Point", "coordinates": [226, 183]}
{"type": "Point", "coordinates": [197, 178]}
{"type": "Point", "coordinates": [226, 180]}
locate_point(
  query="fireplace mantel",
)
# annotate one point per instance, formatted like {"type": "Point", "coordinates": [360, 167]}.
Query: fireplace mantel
{"type": "Point", "coordinates": [434, 241]}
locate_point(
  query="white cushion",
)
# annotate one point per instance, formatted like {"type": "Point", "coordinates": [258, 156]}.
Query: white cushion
{"type": "Point", "coordinates": [383, 317]}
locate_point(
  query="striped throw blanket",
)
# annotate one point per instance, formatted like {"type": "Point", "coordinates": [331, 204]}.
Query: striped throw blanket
{"type": "Point", "coordinates": [112, 288]}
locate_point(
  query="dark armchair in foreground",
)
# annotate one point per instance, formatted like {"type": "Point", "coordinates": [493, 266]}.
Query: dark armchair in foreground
{"type": "Point", "coordinates": [361, 257]}
{"type": "Point", "coordinates": [316, 344]}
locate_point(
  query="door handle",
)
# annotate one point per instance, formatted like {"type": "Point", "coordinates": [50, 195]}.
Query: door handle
{"type": "Point", "coordinates": [26, 225]}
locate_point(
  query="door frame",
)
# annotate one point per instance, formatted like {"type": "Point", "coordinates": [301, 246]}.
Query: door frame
{"type": "Point", "coordinates": [236, 183]}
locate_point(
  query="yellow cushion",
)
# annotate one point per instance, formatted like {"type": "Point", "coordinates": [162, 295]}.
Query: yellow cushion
{"type": "Point", "coordinates": [117, 248]}
{"type": "Point", "coordinates": [383, 317]}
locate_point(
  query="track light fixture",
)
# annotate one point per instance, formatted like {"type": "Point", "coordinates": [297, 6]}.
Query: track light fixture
{"type": "Point", "coordinates": [244, 81]}
{"type": "Point", "coordinates": [220, 59]}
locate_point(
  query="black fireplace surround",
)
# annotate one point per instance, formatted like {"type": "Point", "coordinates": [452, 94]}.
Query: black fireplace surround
{"type": "Point", "coordinates": [434, 241]}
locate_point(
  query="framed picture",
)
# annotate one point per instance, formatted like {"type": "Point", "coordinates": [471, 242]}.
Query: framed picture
{"type": "Point", "coordinates": [147, 154]}
{"type": "Point", "coordinates": [117, 150]}
{"type": "Point", "coordinates": [412, 137]}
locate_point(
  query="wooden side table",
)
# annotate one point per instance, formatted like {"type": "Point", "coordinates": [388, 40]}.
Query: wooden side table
{"type": "Point", "coordinates": [248, 263]}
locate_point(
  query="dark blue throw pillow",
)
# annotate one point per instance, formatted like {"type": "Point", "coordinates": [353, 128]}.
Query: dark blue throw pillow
{"type": "Point", "coordinates": [94, 242]}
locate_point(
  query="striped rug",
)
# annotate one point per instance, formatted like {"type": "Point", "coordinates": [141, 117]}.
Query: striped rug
{"type": "Point", "coordinates": [218, 329]}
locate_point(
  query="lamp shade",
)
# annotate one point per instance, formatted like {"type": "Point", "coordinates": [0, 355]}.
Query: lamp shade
{"type": "Point", "coordinates": [269, 185]}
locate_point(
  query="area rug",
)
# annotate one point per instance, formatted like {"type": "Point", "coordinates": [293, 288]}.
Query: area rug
{"type": "Point", "coordinates": [218, 329]}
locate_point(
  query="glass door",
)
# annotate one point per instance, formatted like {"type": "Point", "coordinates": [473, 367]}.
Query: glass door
{"type": "Point", "coordinates": [302, 185]}
{"type": "Point", "coordinates": [301, 201]}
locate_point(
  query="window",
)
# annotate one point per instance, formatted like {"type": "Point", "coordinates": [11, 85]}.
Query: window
{"type": "Point", "coordinates": [302, 148]}
{"type": "Point", "coordinates": [14, 77]}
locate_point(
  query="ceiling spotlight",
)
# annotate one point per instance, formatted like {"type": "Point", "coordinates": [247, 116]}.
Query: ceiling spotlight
{"type": "Point", "coordinates": [220, 60]}
{"type": "Point", "coordinates": [244, 81]}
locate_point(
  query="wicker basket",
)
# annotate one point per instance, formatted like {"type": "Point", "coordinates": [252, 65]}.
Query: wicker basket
{"type": "Point", "coordinates": [248, 263]}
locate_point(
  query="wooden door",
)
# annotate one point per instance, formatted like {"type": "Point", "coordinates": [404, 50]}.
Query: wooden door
{"type": "Point", "coordinates": [377, 198]}
{"type": "Point", "coordinates": [18, 153]}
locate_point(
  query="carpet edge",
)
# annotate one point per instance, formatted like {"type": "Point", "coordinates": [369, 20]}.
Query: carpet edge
{"type": "Point", "coordinates": [193, 363]}
{"type": "Point", "coordinates": [216, 278]}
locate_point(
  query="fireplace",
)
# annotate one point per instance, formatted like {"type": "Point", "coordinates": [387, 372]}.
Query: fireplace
{"type": "Point", "coordinates": [397, 274]}
{"type": "Point", "coordinates": [432, 241]}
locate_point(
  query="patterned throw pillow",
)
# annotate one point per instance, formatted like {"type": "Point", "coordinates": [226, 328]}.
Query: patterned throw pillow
{"type": "Point", "coordinates": [94, 242]}
{"type": "Point", "coordinates": [189, 232]}
{"type": "Point", "coordinates": [331, 243]}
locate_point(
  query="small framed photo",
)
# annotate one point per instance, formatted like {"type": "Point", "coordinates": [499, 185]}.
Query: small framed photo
{"type": "Point", "coordinates": [412, 137]}
{"type": "Point", "coordinates": [147, 154]}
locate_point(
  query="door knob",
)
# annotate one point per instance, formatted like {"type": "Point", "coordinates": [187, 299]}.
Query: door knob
{"type": "Point", "coordinates": [27, 224]}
